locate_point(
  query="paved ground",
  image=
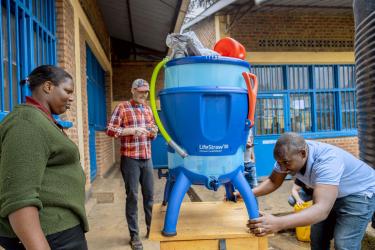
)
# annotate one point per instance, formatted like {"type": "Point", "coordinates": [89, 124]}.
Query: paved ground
{"type": "Point", "coordinates": [108, 228]}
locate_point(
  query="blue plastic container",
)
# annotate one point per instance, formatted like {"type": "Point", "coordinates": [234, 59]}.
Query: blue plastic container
{"type": "Point", "coordinates": [205, 71]}
{"type": "Point", "coordinates": [205, 111]}
{"type": "Point", "coordinates": [206, 121]}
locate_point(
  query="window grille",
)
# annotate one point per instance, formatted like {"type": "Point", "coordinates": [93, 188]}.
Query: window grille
{"type": "Point", "coordinates": [27, 40]}
{"type": "Point", "coordinates": [315, 98]}
{"type": "Point", "coordinates": [270, 116]}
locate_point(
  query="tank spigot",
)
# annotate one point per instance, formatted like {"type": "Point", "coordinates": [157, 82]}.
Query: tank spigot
{"type": "Point", "coordinates": [213, 183]}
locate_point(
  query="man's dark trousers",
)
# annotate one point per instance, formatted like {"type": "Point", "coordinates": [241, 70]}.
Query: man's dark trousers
{"type": "Point", "coordinates": [133, 172]}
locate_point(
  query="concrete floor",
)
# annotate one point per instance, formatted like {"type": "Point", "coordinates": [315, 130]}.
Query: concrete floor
{"type": "Point", "coordinates": [108, 229]}
{"type": "Point", "coordinates": [106, 215]}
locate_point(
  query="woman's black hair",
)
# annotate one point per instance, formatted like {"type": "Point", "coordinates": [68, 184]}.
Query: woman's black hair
{"type": "Point", "coordinates": [46, 73]}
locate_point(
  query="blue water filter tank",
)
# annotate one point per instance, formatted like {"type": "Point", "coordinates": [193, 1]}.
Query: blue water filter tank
{"type": "Point", "coordinates": [205, 111]}
{"type": "Point", "coordinates": [210, 124]}
{"type": "Point", "coordinates": [205, 106]}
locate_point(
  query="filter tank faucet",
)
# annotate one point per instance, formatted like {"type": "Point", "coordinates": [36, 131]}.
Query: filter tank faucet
{"type": "Point", "coordinates": [213, 183]}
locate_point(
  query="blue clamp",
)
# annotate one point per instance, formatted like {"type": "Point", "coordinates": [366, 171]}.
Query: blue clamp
{"type": "Point", "coordinates": [248, 124]}
{"type": "Point", "coordinates": [64, 124]}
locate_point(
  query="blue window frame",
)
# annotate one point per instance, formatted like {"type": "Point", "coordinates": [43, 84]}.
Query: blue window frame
{"type": "Point", "coordinates": [27, 40]}
{"type": "Point", "coordinates": [317, 99]}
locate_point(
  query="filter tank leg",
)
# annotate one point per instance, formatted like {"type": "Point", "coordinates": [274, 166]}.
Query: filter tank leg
{"type": "Point", "coordinates": [180, 187]}
{"type": "Point", "coordinates": [243, 187]}
{"type": "Point", "coordinates": [229, 192]}
{"type": "Point", "coordinates": [167, 189]}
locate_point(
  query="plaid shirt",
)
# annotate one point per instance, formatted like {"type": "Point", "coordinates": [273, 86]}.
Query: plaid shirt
{"type": "Point", "coordinates": [128, 114]}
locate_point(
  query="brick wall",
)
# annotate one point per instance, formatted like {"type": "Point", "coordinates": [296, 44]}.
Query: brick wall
{"type": "Point", "coordinates": [349, 144]}
{"type": "Point", "coordinates": [109, 94]}
{"type": "Point", "coordinates": [104, 152]}
{"type": "Point", "coordinates": [66, 56]}
{"type": "Point", "coordinates": [65, 51]}
{"type": "Point", "coordinates": [85, 121]}
{"type": "Point", "coordinates": [284, 31]}
{"type": "Point", "coordinates": [96, 19]}
{"type": "Point", "coordinates": [297, 31]}
{"type": "Point", "coordinates": [103, 143]}
{"type": "Point", "coordinates": [124, 73]}
{"type": "Point", "coordinates": [205, 30]}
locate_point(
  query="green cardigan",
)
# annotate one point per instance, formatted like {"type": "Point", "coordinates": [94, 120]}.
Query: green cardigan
{"type": "Point", "coordinates": [39, 166]}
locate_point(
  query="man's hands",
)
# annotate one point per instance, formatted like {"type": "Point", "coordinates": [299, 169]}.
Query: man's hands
{"type": "Point", "coordinates": [142, 131]}
{"type": "Point", "coordinates": [153, 130]}
{"type": "Point", "coordinates": [265, 224]}
{"type": "Point", "coordinates": [299, 201]}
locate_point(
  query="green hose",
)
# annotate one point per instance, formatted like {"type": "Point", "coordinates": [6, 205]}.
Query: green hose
{"type": "Point", "coordinates": [163, 132]}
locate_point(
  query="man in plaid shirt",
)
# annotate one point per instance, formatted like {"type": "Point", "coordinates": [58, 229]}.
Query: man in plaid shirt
{"type": "Point", "coordinates": [133, 122]}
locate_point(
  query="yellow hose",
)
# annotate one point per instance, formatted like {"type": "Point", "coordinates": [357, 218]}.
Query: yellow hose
{"type": "Point", "coordinates": [154, 77]}
{"type": "Point", "coordinates": [163, 132]}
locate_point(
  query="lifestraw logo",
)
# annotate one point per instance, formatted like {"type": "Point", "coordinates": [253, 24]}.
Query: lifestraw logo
{"type": "Point", "coordinates": [212, 148]}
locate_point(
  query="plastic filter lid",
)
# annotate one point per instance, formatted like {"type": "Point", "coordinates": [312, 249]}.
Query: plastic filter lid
{"type": "Point", "coordinates": [208, 59]}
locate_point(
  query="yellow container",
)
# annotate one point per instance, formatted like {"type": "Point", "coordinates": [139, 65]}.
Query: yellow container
{"type": "Point", "coordinates": [303, 233]}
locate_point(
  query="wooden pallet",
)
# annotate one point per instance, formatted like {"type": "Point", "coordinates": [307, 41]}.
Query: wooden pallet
{"type": "Point", "coordinates": [206, 226]}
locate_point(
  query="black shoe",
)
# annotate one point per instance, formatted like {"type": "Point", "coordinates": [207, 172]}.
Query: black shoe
{"type": "Point", "coordinates": [148, 233]}
{"type": "Point", "coordinates": [136, 243]}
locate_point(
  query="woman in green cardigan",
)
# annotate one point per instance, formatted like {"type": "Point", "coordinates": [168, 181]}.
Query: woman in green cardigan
{"type": "Point", "coordinates": [42, 184]}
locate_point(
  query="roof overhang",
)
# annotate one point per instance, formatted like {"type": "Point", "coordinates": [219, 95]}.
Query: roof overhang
{"type": "Point", "coordinates": [143, 24]}
{"type": "Point", "coordinates": [236, 7]}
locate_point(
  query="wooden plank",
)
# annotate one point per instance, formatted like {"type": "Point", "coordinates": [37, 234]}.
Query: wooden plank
{"type": "Point", "coordinates": [190, 245]}
{"type": "Point", "coordinates": [247, 243]}
{"type": "Point", "coordinates": [204, 220]}
{"type": "Point", "coordinates": [263, 242]}
{"type": "Point", "coordinates": [231, 244]}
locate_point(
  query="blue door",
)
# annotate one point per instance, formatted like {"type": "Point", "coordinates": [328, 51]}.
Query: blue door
{"type": "Point", "coordinates": [96, 105]}
{"type": "Point", "coordinates": [92, 141]}
{"type": "Point", "coordinates": [271, 117]}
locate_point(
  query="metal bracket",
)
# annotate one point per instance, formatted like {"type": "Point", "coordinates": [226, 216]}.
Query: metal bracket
{"type": "Point", "coordinates": [222, 244]}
